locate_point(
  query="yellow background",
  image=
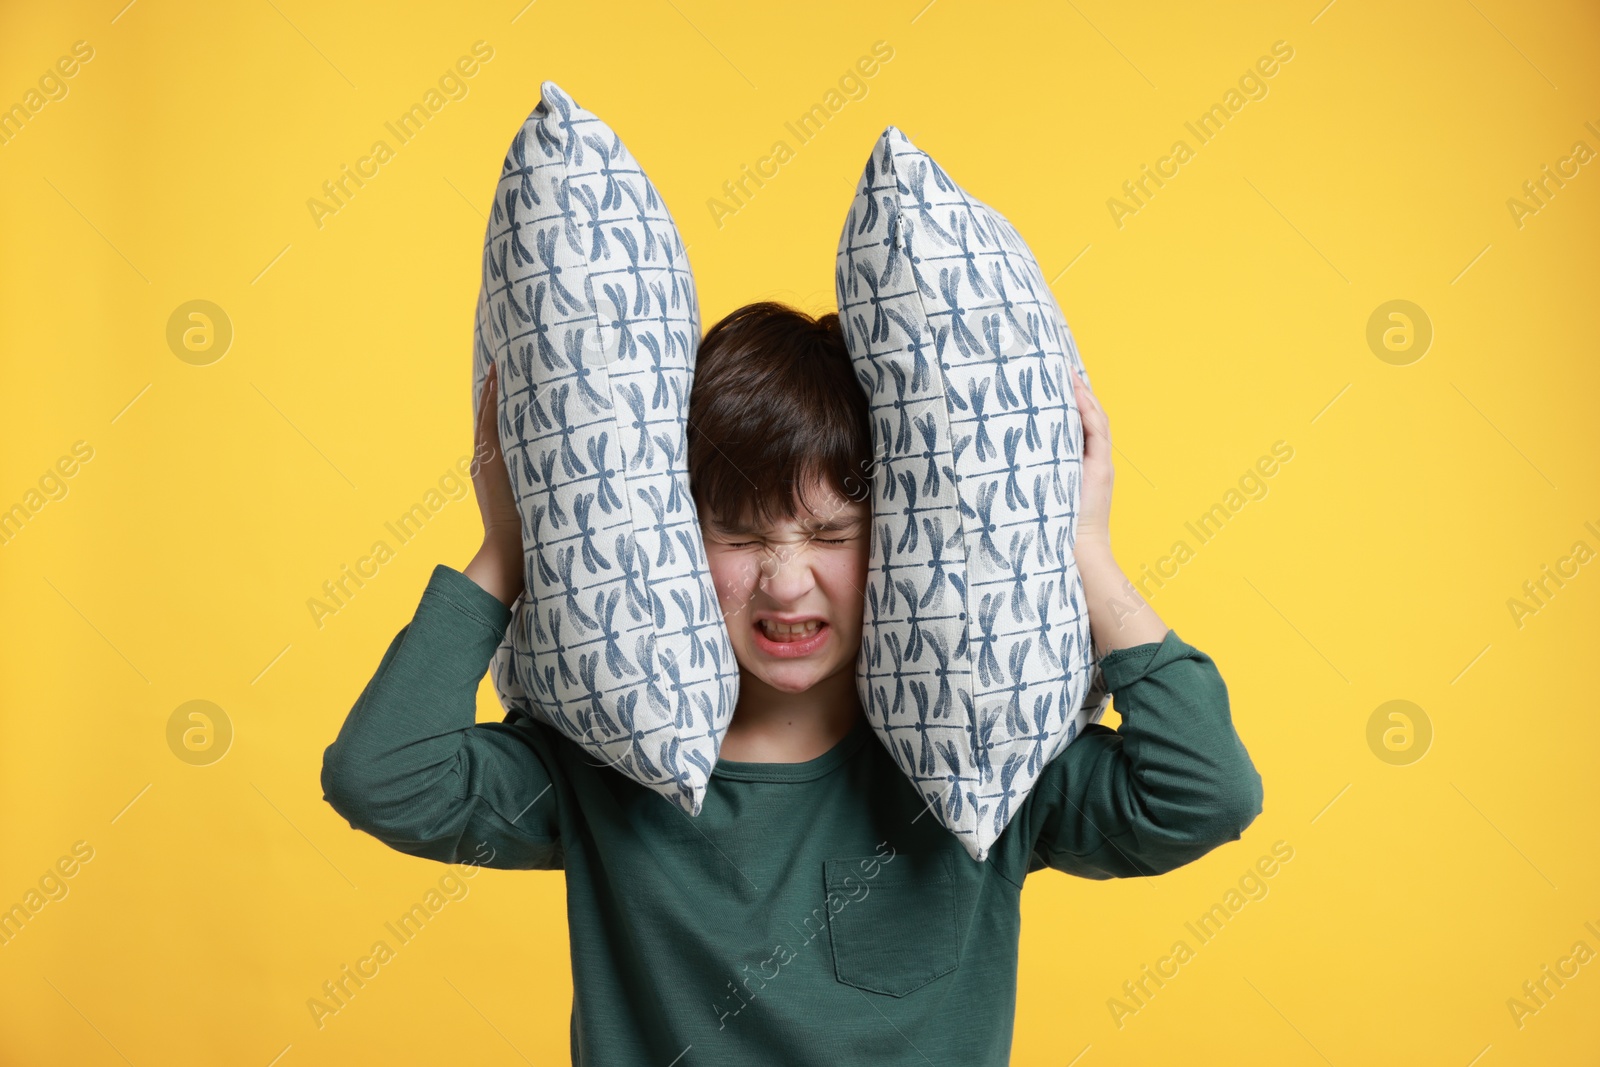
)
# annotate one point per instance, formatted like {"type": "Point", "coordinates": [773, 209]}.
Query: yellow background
{"type": "Point", "coordinates": [1229, 313]}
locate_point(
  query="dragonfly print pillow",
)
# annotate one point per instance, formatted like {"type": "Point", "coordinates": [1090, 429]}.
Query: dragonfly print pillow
{"type": "Point", "coordinates": [588, 310]}
{"type": "Point", "coordinates": [976, 666]}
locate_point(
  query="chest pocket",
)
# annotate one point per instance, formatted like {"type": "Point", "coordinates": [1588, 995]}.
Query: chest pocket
{"type": "Point", "coordinates": [892, 931]}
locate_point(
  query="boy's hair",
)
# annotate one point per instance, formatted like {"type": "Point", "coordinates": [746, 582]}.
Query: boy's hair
{"type": "Point", "coordinates": [774, 405]}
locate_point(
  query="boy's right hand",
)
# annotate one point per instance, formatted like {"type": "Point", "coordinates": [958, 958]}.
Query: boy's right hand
{"type": "Point", "coordinates": [498, 565]}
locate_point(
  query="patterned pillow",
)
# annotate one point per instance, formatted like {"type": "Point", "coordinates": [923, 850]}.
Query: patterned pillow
{"type": "Point", "coordinates": [976, 666]}
{"type": "Point", "coordinates": [588, 309]}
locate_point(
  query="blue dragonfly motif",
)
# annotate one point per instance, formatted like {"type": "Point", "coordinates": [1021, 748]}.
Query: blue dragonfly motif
{"type": "Point", "coordinates": [513, 234]}
{"type": "Point", "coordinates": [543, 680]}
{"type": "Point", "coordinates": [708, 711]}
{"type": "Point", "coordinates": [983, 445]}
{"type": "Point", "coordinates": [1002, 386]}
{"type": "Point", "coordinates": [605, 606]}
{"type": "Point", "coordinates": [921, 726]}
{"type": "Point", "coordinates": [1043, 734]}
{"type": "Point", "coordinates": [575, 343]}
{"type": "Point", "coordinates": [967, 342]}
{"type": "Point", "coordinates": [927, 428]}
{"type": "Point", "coordinates": [1019, 333]}
{"type": "Point", "coordinates": [605, 493]}
{"type": "Point", "coordinates": [908, 531]}
{"type": "Point", "coordinates": [681, 777]}
{"type": "Point", "coordinates": [599, 250]}
{"type": "Point", "coordinates": [955, 781]}
{"type": "Point", "coordinates": [1031, 411]}
{"type": "Point", "coordinates": [1043, 517]}
{"type": "Point", "coordinates": [968, 257]}
{"type": "Point", "coordinates": [988, 663]}
{"type": "Point", "coordinates": [1017, 554]}
{"type": "Point", "coordinates": [608, 154]}
{"type": "Point", "coordinates": [911, 623]}
{"type": "Point", "coordinates": [661, 527]}
{"type": "Point", "coordinates": [516, 166]}
{"type": "Point", "coordinates": [650, 343]}
{"type": "Point", "coordinates": [683, 710]}
{"type": "Point", "coordinates": [894, 690]}
{"type": "Point", "coordinates": [611, 314]}
{"type": "Point", "coordinates": [1058, 463]}
{"type": "Point", "coordinates": [941, 671]}
{"type": "Point", "coordinates": [559, 649]}
{"type": "Point", "coordinates": [985, 526]}
{"type": "Point", "coordinates": [497, 278]}
{"type": "Point", "coordinates": [880, 322]}
{"type": "Point", "coordinates": [562, 299]}
{"type": "Point", "coordinates": [1016, 724]}
{"type": "Point", "coordinates": [691, 624]}
{"type": "Point", "coordinates": [545, 577]}
{"type": "Point", "coordinates": [917, 343]}
{"type": "Point", "coordinates": [571, 465]}
{"type": "Point", "coordinates": [672, 453]}
{"type": "Point", "coordinates": [552, 505]}
{"type": "Point", "coordinates": [933, 528]}
{"type": "Point", "coordinates": [697, 568]}
{"type": "Point", "coordinates": [593, 713]}
{"type": "Point", "coordinates": [644, 455]}
{"type": "Point", "coordinates": [1044, 600]}
{"type": "Point", "coordinates": [645, 202]}
{"type": "Point", "coordinates": [564, 556]}
{"type": "Point", "coordinates": [636, 757]}
{"type": "Point", "coordinates": [1007, 792]}
{"type": "Point", "coordinates": [908, 242]}
{"type": "Point", "coordinates": [641, 292]}
{"type": "Point", "coordinates": [697, 758]}
{"type": "Point", "coordinates": [593, 560]}
{"type": "Point", "coordinates": [914, 185]}
{"type": "Point", "coordinates": [643, 602]}
{"type": "Point", "coordinates": [1016, 499]}
{"type": "Point", "coordinates": [565, 219]}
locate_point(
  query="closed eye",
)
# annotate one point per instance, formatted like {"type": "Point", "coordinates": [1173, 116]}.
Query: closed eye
{"type": "Point", "coordinates": [824, 540]}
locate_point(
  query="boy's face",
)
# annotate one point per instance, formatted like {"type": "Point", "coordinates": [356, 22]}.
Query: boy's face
{"type": "Point", "coordinates": [811, 567]}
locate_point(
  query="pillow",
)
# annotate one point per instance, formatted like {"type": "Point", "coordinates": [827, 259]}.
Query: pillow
{"type": "Point", "coordinates": [588, 310]}
{"type": "Point", "coordinates": [976, 665]}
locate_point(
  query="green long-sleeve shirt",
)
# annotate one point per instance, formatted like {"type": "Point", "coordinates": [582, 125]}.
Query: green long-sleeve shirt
{"type": "Point", "coordinates": [813, 913]}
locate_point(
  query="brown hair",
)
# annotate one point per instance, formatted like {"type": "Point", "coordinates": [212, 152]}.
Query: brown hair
{"type": "Point", "coordinates": [775, 404]}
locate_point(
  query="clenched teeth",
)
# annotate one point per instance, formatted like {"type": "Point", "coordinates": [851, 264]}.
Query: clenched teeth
{"type": "Point", "coordinates": [784, 629]}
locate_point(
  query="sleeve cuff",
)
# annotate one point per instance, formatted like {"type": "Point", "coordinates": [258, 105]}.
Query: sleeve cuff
{"type": "Point", "coordinates": [472, 599]}
{"type": "Point", "coordinates": [1122, 667]}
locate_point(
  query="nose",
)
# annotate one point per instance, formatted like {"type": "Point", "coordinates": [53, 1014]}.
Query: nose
{"type": "Point", "coordinates": [785, 575]}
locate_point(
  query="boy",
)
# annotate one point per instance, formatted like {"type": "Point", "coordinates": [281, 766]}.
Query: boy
{"type": "Point", "coordinates": [811, 914]}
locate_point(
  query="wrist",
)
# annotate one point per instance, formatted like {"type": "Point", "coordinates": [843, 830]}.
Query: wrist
{"type": "Point", "coordinates": [497, 568]}
{"type": "Point", "coordinates": [1092, 544]}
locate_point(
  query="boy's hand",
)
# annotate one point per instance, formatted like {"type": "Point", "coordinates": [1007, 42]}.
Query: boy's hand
{"type": "Point", "coordinates": [498, 565]}
{"type": "Point", "coordinates": [1094, 505]}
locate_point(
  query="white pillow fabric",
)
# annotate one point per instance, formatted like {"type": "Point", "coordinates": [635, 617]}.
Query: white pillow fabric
{"type": "Point", "coordinates": [588, 310]}
{"type": "Point", "coordinates": [976, 665]}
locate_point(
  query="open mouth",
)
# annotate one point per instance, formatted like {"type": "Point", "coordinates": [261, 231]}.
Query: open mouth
{"type": "Point", "coordinates": [790, 645]}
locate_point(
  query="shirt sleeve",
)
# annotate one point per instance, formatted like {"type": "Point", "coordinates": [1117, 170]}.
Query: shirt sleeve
{"type": "Point", "coordinates": [411, 765]}
{"type": "Point", "coordinates": [1169, 784]}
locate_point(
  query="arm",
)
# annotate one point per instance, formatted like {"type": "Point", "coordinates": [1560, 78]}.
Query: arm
{"type": "Point", "coordinates": [1170, 784]}
{"type": "Point", "coordinates": [413, 768]}
{"type": "Point", "coordinates": [411, 765]}
{"type": "Point", "coordinates": [1173, 781]}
